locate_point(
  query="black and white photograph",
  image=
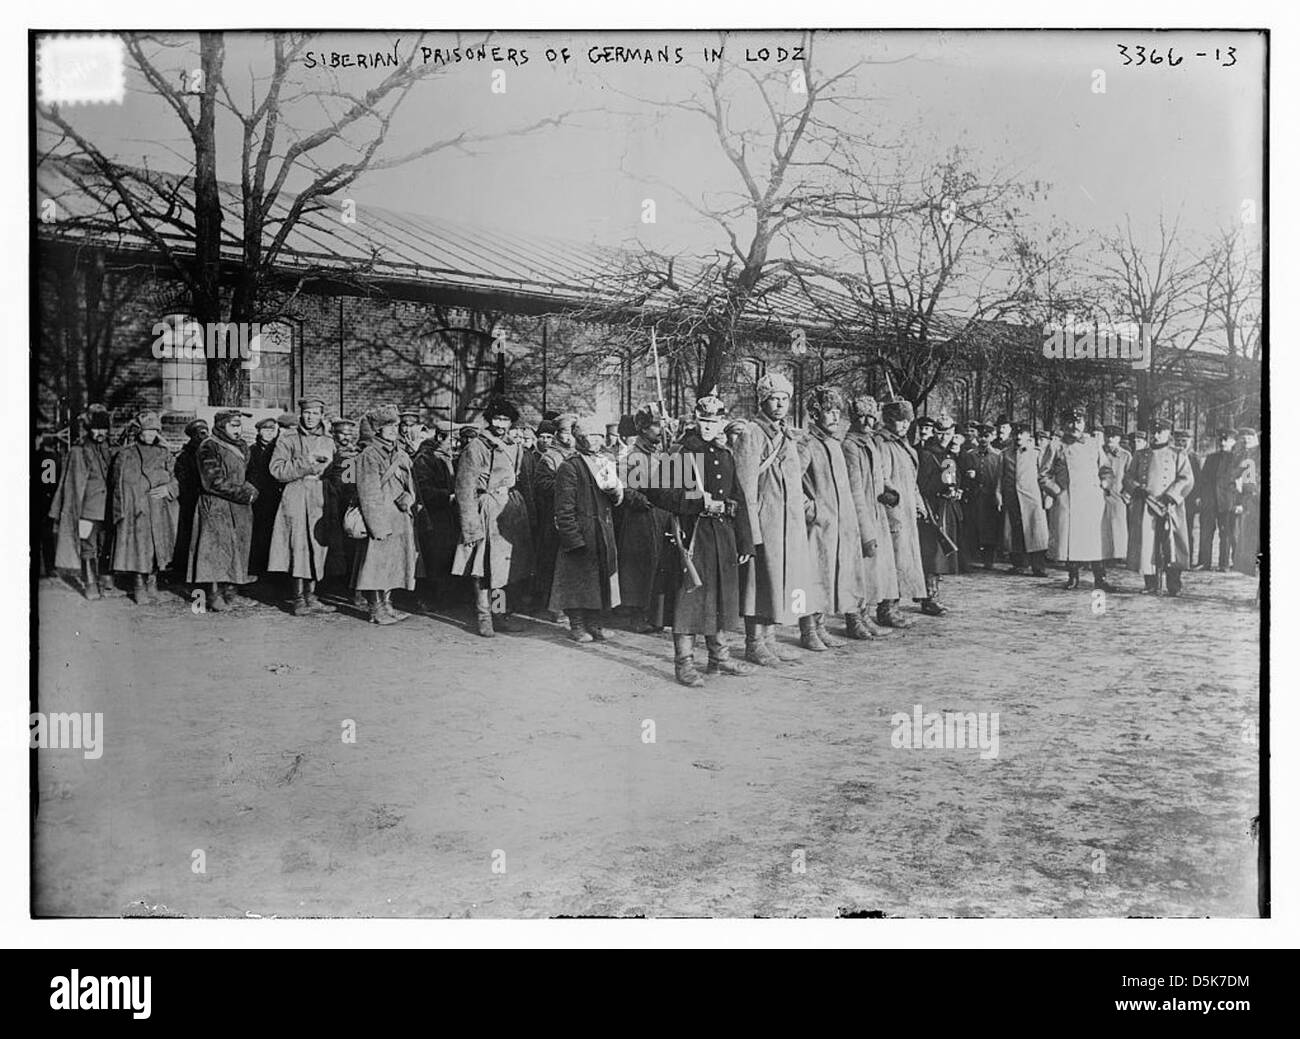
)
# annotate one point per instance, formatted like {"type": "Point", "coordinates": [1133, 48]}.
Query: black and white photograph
{"type": "Point", "coordinates": [684, 474]}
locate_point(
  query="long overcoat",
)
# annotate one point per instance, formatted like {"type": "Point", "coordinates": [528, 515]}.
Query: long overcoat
{"type": "Point", "coordinates": [223, 518]}
{"type": "Point", "coordinates": [982, 511]}
{"type": "Point", "coordinates": [547, 540]}
{"type": "Point", "coordinates": [186, 471]}
{"type": "Point", "coordinates": [269, 491]}
{"type": "Point", "coordinates": [494, 513]}
{"type": "Point", "coordinates": [1159, 471]}
{"type": "Point", "coordinates": [1024, 521]}
{"type": "Point", "coordinates": [898, 474]}
{"type": "Point", "coordinates": [862, 461]}
{"type": "Point", "coordinates": [82, 494]}
{"type": "Point", "coordinates": [436, 530]}
{"type": "Point", "coordinates": [1075, 479]}
{"type": "Point", "coordinates": [1245, 468]}
{"type": "Point", "coordinates": [714, 543]}
{"type": "Point", "coordinates": [642, 530]}
{"type": "Point", "coordinates": [586, 569]}
{"type": "Point", "coordinates": [835, 537]}
{"type": "Point", "coordinates": [938, 481]}
{"type": "Point", "coordinates": [144, 527]}
{"type": "Point", "coordinates": [386, 495]}
{"type": "Point", "coordinates": [1114, 520]}
{"type": "Point", "coordinates": [301, 536]}
{"type": "Point", "coordinates": [771, 477]}
{"type": "Point", "coordinates": [339, 482]}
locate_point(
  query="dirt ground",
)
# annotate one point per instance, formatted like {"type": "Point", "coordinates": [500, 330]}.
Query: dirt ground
{"type": "Point", "coordinates": [516, 777]}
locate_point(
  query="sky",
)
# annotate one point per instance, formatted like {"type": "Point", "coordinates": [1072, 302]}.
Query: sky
{"type": "Point", "coordinates": [1183, 140]}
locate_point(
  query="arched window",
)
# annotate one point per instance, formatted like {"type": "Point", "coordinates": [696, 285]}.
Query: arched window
{"type": "Point", "coordinates": [184, 364]}
{"type": "Point", "coordinates": [270, 384]}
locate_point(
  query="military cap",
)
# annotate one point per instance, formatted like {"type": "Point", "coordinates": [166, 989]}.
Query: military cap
{"type": "Point", "coordinates": [98, 418]}
{"type": "Point", "coordinates": [498, 406]}
{"type": "Point", "coordinates": [1181, 433]}
{"type": "Point", "coordinates": [149, 420]}
{"type": "Point", "coordinates": [468, 433]}
{"type": "Point", "coordinates": [897, 411]}
{"type": "Point", "coordinates": [771, 384]}
{"type": "Point", "coordinates": [1073, 411]}
{"type": "Point", "coordinates": [311, 402]}
{"type": "Point", "coordinates": [1002, 420]}
{"type": "Point", "coordinates": [267, 423]}
{"type": "Point", "coordinates": [1112, 431]}
{"type": "Point", "coordinates": [547, 427]}
{"type": "Point", "coordinates": [194, 426]}
{"type": "Point", "coordinates": [943, 421]}
{"type": "Point", "coordinates": [985, 428]}
{"type": "Point", "coordinates": [287, 420]}
{"type": "Point", "coordinates": [413, 410]}
{"type": "Point", "coordinates": [1023, 427]}
{"type": "Point", "coordinates": [645, 417]}
{"type": "Point", "coordinates": [343, 423]}
{"type": "Point", "coordinates": [1161, 423]}
{"type": "Point", "coordinates": [1227, 434]}
{"type": "Point", "coordinates": [224, 416]}
{"type": "Point", "coordinates": [925, 420]}
{"type": "Point", "coordinates": [1139, 434]}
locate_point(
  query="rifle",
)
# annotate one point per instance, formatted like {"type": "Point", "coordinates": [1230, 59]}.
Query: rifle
{"type": "Point", "coordinates": [688, 564]}
{"type": "Point", "coordinates": [945, 542]}
{"type": "Point", "coordinates": [668, 424]}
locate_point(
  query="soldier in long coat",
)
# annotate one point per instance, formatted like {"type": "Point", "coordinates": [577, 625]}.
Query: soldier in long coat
{"type": "Point", "coordinates": [300, 538]}
{"type": "Point", "coordinates": [1247, 477]}
{"type": "Point", "coordinates": [780, 585]}
{"type": "Point", "coordinates": [1075, 480]}
{"type": "Point", "coordinates": [496, 527]}
{"type": "Point", "coordinates": [223, 519]}
{"type": "Point", "coordinates": [1159, 481]}
{"type": "Point", "coordinates": [981, 466]}
{"type": "Point", "coordinates": [835, 538]}
{"type": "Point", "coordinates": [902, 500]}
{"type": "Point", "coordinates": [644, 564]}
{"type": "Point", "coordinates": [938, 483]}
{"type": "Point", "coordinates": [713, 531]}
{"type": "Point", "coordinates": [1114, 520]}
{"type": "Point", "coordinates": [1214, 499]}
{"type": "Point", "coordinates": [559, 448]}
{"type": "Point", "coordinates": [339, 482]}
{"type": "Point", "coordinates": [862, 460]}
{"type": "Point", "coordinates": [587, 489]}
{"type": "Point", "coordinates": [80, 505]}
{"type": "Point", "coordinates": [144, 494]}
{"type": "Point", "coordinates": [386, 497]}
{"type": "Point", "coordinates": [269, 490]}
{"type": "Point", "coordinates": [436, 530]}
{"type": "Point", "coordinates": [186, 471]}
{"type": "Point", "coordinates": [1024, 521]}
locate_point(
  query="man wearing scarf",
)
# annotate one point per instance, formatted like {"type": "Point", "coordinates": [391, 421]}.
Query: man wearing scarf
{"type": "Point", "coordinates": [1159, 481]}
{"type": "Point", "coordinates": [186, 471]}
{"type": "Point", "coordinates": [902, 501]}
{"type": "Point", "coordinates": [778, 588]}
{"type": "Point", "coordinates": [300, 538]}
{"type": "Point", "coordinates": [587, 488]}
{"type": "Point", "coordinates": [863, 463]}
{"type": "Point", "coordinates": [144, 493]}
{"type": "Point", "coordinates": [80, 505]}
{"type": "Point", "coordinates": [496, 537]}
{"type": "Point", "coordinates": [436, 528]}
{"type": "Point", "coordinates": [223, 519]}
{"type": "Point", "coordinates": [835, 538]}
{"type": "Point", "coordinates": [644, 569]}
{"type": "Point", "coordinates": [386, 495]}
{"type": "Point", "coordinates": [269, 490]}
{"type": "Point", "coordinates": [712, 532]}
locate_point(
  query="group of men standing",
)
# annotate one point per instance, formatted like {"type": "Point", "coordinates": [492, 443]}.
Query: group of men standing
{"type": "Point", "coordinates": [763, 525]}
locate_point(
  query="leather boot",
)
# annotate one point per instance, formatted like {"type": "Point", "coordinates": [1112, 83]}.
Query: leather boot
{"type": "Point", "coordinates": [89, 580]}
{"type": "Point", "coordinates": [775, 648]}
{"type": "Point", "coordinates": [827, 640]}
{"type": "Point", "coordinates": [216, 601]}
{"type": "Point", "coordinates": [151, 587]}
{"type": "Point", "coordinates": [1099, 578]}
{"type": "Point", "coordinates": [386, 598]}
{"type": "Point", "coordinates": [359, 600]}
{"type": "Point", "coordinates": [483, 608]}
{"type": "Point", "coordinates": [860, 626]}
{"type": "Point", "coordinates": [593, 624]}
{"type": "Point", "coordinates": [578, 626]}
{"type": "Point", "coordinates": [375, 606]}
{"type": "Point", "coordinates": [684, 661]}
{"type": "Point", "coordinates": [314, 604]}
{"type": "Point", "coordinates": [1173, 581]}
{"type": "Point", "coordinates": [139, 592]}
{"type": "Point", "coordinates": [1072, 579]}
{"type": "Point", "coordinates": [1150, 584]}
{"type": "Point", "coordinates": [300, 607]}
{"type": "Point", "coordinates": [756, 650]}
{"type": "Point", "coordinates": [720, 661]}
{"type": "Point", "coordinates": [889, 615]}
{"type": "Point", "coordinates": [808, 635]}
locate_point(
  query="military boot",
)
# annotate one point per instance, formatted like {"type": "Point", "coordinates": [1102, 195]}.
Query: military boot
{"type": "Point", "coordinates": [808, 635]}
{"type": "Point", "coordinates": [1150, 584]}
{"type": "Point", "coordinates": [151, 587]}
{"type": "Point", "coordinates": [89, 580]}
{"type": "Point", "coordinates": [300, 607]}
{"type": "Point", "coordinates": [139, 590]}
{"type": "Point", "coordinates": [827, 640]}
{"type": "Point", "coordinates": [216, 601]}
{"type": "Point", "coordinates": [684, 661]}
{"type": "Point", "coordinates": [720, 661]}
{"type": "Point", "coordinates": [1173, 581]}
{"type": "Point", "coordinates": [483, 608]}
{"type": "Point", "coordinates": [578, 626]}
{"type": "Point", "coordinates": [1099, 579]}
{"type": "Point", "coordinates": [314, 604]}
{"type": "Point", "coordinates": [775, 648]}
{"type": "Point", "coordinates": [860, 626]}
{"type": "Point", "coordinates": [386, 600]}
{"type": "Point", "coordinates": [889, 615]}
{"type": "Point", "coordinates": [756, 650]}
{"type": "Point", "coordinates": [375, 606]}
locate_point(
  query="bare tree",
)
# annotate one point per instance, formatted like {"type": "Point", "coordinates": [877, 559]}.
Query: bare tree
{"type": "Point", "coordinates": [1236, 307]}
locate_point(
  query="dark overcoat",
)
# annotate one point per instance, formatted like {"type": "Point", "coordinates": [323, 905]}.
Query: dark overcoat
{"type": "Point", "coordinates": [982, 502]}
{"type": "Point", "coordinates": [223, 518]}
{"type": "Point", "coordinates": [548, 542]}
{"type": "Point", "coordinates": [586, 569]}
{"type": "Point", "coordinates": [644, 569]}
{"type": "Point", "coordinates": [781, 576]}
{"type": "Point", "coordinates": [82, 494]}
{"type": "Point", "coordinates": [862, 459]}
{"type": "Point", "coordinates": [938, 481]}
{"type": "Point", "coordinates": [386, 495]}
{"type": "Point", "coordinates": [715, 543]}
{"type": "Point", "coordinates": [144, 527]}
{"type": "Point", "coordinates": [436, 529]}
{"type": "Point", "coordinates": [835, 538]}
{"type": "Point", "coordinates": [269, 490]}
{"type": "Point", "coordinates": [186, 471]}
{"type": "Point", "coordinates": [340, 485]}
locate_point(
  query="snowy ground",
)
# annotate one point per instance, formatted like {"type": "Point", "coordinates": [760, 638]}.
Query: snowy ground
{"type": "Point", "coordinates": [515, 777]}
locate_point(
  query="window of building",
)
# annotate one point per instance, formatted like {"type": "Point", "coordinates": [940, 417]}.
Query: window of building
{"type": "Point", "coordinates": [184, 366]}
{"type": "Point", "coordinates": [270, 384]}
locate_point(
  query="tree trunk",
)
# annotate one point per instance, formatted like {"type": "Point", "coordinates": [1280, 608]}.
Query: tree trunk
{"type": "Point", "coordinates": [223, 373]}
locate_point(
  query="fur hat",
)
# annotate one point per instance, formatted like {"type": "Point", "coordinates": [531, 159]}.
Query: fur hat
{"type": "Point", "coordinates": [771, 384]}
{"type": "Point", "coordinates": [865, 406]}
{"type": "Point", "coordinates": [824, 399]}
{"type": "Point", "coordinates": [387, 415]}
{"type": "Point", "coordinates": [499, 406]}
{"type": "Point", "coordinates": [898, 411]}
{"type": "Point", "coordinates": [195, 425]}
{"type": "Point", "coordinates": [546, 427]}
{"type": "Point", "coordinates": [645, 417]}
{"type": "Point", "coordinates": [149, 420]}
{"type": "Point", "coordinates": [98, 418]}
